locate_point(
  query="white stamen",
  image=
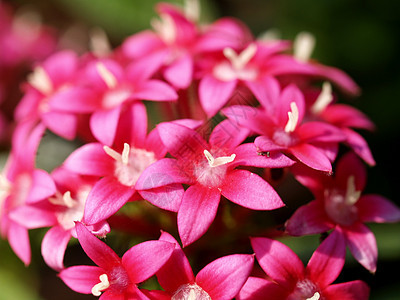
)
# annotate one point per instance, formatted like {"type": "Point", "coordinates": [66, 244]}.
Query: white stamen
{"type": "Point", "coordinates": [114, 154]}
{"type": "Point", "coordinates": [192, 10]}
{"type": "Point", "coordinates": [215, 162]}
{"type": "Point", "coordinates": [40, 80]}
{"type": "Point", "coordinates": [324, 99]}
{"type": "Point", "coordinates": [106, 75]}
{"type": "Point", "coordinates": [63, 200]}
{"type": "Point", "coordinates": [303, 46]}
{"type": "Point", "coordinates": [316, 296]}
{"type": "Point", "coordinates": [240, 61]}
{"type": "Point", "coordinates": [192, 295]}
{"type": "Point", "coordinates": [165, 27]}
{"type": "Point", "coordinates": [272, 34]}
{"type": "Point", "coordinates": [352, 195]}
{"type": "Point", "coordinates": [293, 115]}
{"type": "Point", "coordinates": [101, 286]}
{"type": "Point", "coordinates": [99, 43]}
{"type": "Point", "coordinates": [125, 154]}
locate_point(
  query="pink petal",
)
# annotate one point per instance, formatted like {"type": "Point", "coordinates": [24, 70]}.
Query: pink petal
{"type": "Point", "coordinates": [138, 124]}
{"type": "Point", "coordinates": [90, 159]}
{"type": "Point", "coordinates": [223, 278]}
{"type": "Point", "coordinates": [358, 144]}
{"type": "Point", "coordinates": [378, 209]}
{"type": "Point", "coordinates": [309, 219]}
{"type": "Point", "coordinates": [289, 94]}
{"type": "Point", "coordinates": [101, 254]}
{"type": "Point", "coordinates": [81, 279]}
{"type": "Point", "coordinates": [314, 132]}
{"type": "Point", "coordinates": [145, 259]}
{"type": "Point", "coordinates": [266, 90]}
{"type": "Point", "coordinates": [167, 197]}
{"type": "Point", "coordinates": [350, 165]}
{"type": "Point", "coordinates": [61, 66]}
{"type": "Point", "coordinates": [196, 213]}
{"type": "Point", "coordinates": [105, 199]}
{"type": "Point", "coordinates": [19, 241]}
{"type": "Point", "coordinates": [228, 135]}
{"type": "Point", "coordinates": [312, 157]}
{"type": "Point", "coordinates": [248, 155]}
{"type": "Point", "coordinates": [327, 261]}
{"type": "Point", "coordinates": [145, 67]}
{"type": "Point", "coordinates": [182, 142]}
{"type": "Point", "coordinates": [250, 190]}
{"type": "Point", "coordinates": [155, 294]}
{"type": "Point", "coordinates": [154, 143]}
{"type": "Point", "coordinates": [74, 99]}
{"type": "Point", "coordinates": [259, 289]}
{"type": "Point", "coordinates": [362, 245]}
{"type": "Point", "coordinates": [176, 271]}
{"type": "Point", "coordinates": [352, 290]}
{"type": "Point", "coordinates": [63, 124]}
{"type": "Point", "coordinates": [155, 90]}
{"type": "Point", "coordinates": [214, 93]}
{"type": "Point", "coordinates": [265, 144]}
{"type": "Point", "coordinates": [42, 186]}
{"type": "Point", "coordinates": [141, 44]}
{"type": "Point", "coordinates": [180, 72]}
{"type": "Point", "coordinates": [343, 115]}
{"type": "Point", "coordinates": [32, 217]}
{"type": "Point", "coordinates": [103, 124]}
{"type": "Point", "coordinates": [312, 179]}
{"type": "Point", "coordinates": [54, 245]}
{"type": "Point", "coordinates": [161, 173]}
{"type": "Point", "coordinates": [278, 261]}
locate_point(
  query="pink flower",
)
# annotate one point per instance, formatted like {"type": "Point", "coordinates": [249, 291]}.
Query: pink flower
{"type": "Point", "coordinates": [21, 183]}
{"type": "Point", "coordinates": [112, 88]}
{"type": "Point", "coordinates": [120, 167]}
{"type": "Point", "coordinates": [210, 170]}
{"type": "Point", "coordinates": [339, 203]}
{"type": "Point", "coordinates": [290, 280]}
{"type": "Point", "coordinates": [60, 212]}
{"type": "Point", "coordinates": [115, 277]}
{"type": "Point", "coordinates": [219, 280]}
{"type": "Point", "coordinates": [50, 81]}
{"type": "Point", "coordinates": [280, 123]}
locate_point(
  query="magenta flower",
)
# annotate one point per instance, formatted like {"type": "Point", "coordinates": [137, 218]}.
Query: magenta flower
{"type": "Point", "coordinates": [343, 116]}
{"type": "Point", "coordinates": [279, 121]}
{"type": "Point", "coordinates": [219, 280]}
{"type": "Point", "coordinates": [115, 277]}
{"type": "Point", "coordinates": [49, 82]}
{"type": "Point", "coordinates": [21, 183]}
{"type": "Point", "coordinates": [210, 170]}
{"type": "Point", "coordinates": [60, 212]}
{"type": "Point", "coordinates": [339, 203]}
{"type": "Point", "coordinates": [290, 280]}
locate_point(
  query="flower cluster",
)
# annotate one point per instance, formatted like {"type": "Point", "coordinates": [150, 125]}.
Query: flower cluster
{"type": "Point", "coordinates": [227, 108]}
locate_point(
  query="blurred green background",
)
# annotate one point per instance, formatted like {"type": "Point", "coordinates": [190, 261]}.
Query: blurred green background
{"type": "Point", "coordinates": [361, 37]}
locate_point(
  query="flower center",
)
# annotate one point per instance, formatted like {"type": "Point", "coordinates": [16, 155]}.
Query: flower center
{"type": "Point", "coordinates": [130, 163]}
{"type": "Point", "coordinates": [340, 206]}
{"type": "Point", "coordinates": [211, 172]}
{"type": "Point", "coordinates": [237, 65]}
{"type": "Point", "coordinates": [305, 290]}
{"type": "Point", "coordinates": [190, 292]}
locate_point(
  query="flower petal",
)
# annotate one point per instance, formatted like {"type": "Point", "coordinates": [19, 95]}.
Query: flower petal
{"type": "Point", "coordinates": [327, 261]}
{"type": "Point", "coordinates": [145, 259]}
{"type": "Point", "coordinates": [101, 254]}
{"type": "Point", "coordinates": [214, 93]}
{"type": "Point", "coordinates": [378, 209]}
{"type": "Point", "coordinates": [259, 289]}
{"type": "Point", "coordinates": [63, 124]}
{"type": "Point", "coordinates": [265, 144]}
{"type": "Point", "coordinates": [223, 278]}
{"type": "Point", "coordinates": [359, 145]}
{"type": "Point", "coordinates": [33, 216]}
{"type": "Point", "coordinates": [309, 219]}
{"type": "Point", "coordinates": [106, 198]}
{"type": "Point", "coordinates": [180, 72]}
{"type": "Point", "coordinates": [278, 261]}
{"type": "Point", "coordinates": [250, 190]}
{"type": "Point", "coordinates": [362, 245]}
{"type": "Point", "coordinates": [18, 238]}
{"type": "Point", "coordinates": [155, 90]}
{"type": "Point", "coordinates": [176, 271]}
{"type": "Point", "coordinates": [103, 124]}
{"type": "Point", "coordinates": [81, 279]}
{"type": "Point", "coordinates": [54, 244]}
{"type": "Point", "coordinates": [228, 135]}
{"type": "Point", "coordinates": [167, 197]}
{"type": "Point", "coordinates": [312, 157]}
{"type": "Point", "coordinates": [42, 186]}
{"type": "Point", "coordinates": [196, 213]}
{"type": "Point", "coordinates": [352, 290]}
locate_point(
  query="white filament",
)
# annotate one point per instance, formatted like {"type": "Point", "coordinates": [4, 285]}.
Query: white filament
{"type": "Point", "coordinates": [101, 286]}
{"type": "Point", "coordinates": [106, 75]}
{"type": "Point", "coordinates": [293, 115]}
{"type": "Point", "coordinates": [303, 46]}
{"type": "Point", "coordinates": [324, 99]}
